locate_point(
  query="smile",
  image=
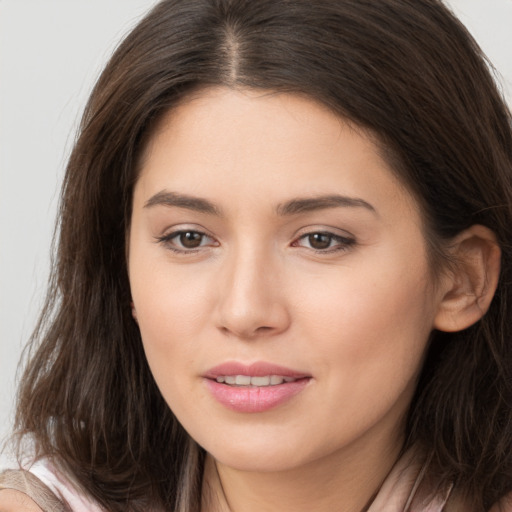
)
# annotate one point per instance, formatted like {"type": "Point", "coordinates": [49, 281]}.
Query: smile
{"type": "Point", "coordinates": [252, 381]}
{"type": "Point", "coordinates": [256, 387]}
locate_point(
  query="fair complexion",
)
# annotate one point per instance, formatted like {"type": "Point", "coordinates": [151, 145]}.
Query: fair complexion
{"type": "Point", "coordinates": [16, 501]}
{"type": "Point", "coordinates": [265, 229]}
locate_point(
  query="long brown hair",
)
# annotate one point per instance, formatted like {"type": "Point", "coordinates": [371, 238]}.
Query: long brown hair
{"type": "Point", "coordinates": [406, 71]}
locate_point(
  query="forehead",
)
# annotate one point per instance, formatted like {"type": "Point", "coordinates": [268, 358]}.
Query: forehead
{"type": "Point", "coordinates": [248, 143]}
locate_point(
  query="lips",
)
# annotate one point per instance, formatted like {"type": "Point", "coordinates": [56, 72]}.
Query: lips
{"type": "Point", "coordinates": [254, 388]}
{"type": "Point", "coordinates": [258, 369]}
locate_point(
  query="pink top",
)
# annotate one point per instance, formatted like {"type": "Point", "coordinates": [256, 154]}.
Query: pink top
{"type": "Point", "coordinates": [63, 488]}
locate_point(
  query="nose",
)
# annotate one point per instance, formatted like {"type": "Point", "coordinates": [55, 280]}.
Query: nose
{"type": "Point", "coordinates": [252, 301]}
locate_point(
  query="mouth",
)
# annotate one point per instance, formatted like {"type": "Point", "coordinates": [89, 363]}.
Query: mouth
{"type": "Point", "coordinates": [253, 381]}
{"type": "Point", "coordinates": [252, 388]}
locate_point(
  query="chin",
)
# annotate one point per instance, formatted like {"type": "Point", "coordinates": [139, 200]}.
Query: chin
{"type": "Point", "coordinates": [257, 462]}
{"type": "Point", "coordinates": [271, 453]}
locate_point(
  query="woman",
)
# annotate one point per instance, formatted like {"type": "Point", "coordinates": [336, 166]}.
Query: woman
{"type": "Point", "coordinates": [283, 270]}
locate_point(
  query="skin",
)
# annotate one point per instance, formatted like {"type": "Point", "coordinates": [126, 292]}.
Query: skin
{"type": "Point", "coordinates": [354, 315]}
{"type": "Point", "coordinates": [16, 501]}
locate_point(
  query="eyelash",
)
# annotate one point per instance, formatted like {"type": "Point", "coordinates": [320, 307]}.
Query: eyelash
{"type": "Point", "coordinates": [341, 243]}
{"type": "Point", "coordinates": [167, 240]}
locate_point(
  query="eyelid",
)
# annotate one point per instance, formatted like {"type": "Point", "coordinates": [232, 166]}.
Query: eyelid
{"type": "Point", "coordinates": [345, 239]}
{"type": "Point", "coordinates": [171, 233]}
{"type": "Point", "coordinates": [328, 230]}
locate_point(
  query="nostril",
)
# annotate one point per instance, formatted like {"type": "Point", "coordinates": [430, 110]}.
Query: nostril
{"type": "Point", "coordinates": [248, 333]}
{"type": "Point", "coordinates": [248, 312]}
{"type": "Point", "coordinates": [263, 329]}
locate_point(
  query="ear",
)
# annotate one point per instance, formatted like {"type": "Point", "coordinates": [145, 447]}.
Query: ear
{"type": "Point", "coordinates": [468, 288]}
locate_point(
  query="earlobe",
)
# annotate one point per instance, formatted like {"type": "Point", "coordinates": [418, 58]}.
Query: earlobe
{"type": "Point", "coordinates": [468, 288]}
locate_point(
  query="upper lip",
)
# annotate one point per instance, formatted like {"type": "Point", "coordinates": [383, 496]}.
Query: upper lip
{"type": "Point", "coordinates": [257, 369]}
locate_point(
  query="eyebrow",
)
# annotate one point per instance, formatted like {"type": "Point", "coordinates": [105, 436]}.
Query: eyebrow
{"type": "Point", "coordinates": [293, 207]}
{"type": "Point", "coordinates": [198, 204]}
{"type": "Point", "coordinates": [309, 204]}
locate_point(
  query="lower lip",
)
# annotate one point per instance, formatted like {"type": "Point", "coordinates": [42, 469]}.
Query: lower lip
{"type": "Point", "coordinates": [255, 399]}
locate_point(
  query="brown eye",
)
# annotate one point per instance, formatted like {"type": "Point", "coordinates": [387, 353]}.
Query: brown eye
{"type": "Point", "coordinates": [324, 242]}
{"type": "Point", "coordinates": [186, 241]}
{"type": "Point", "coordinates": [320, 241]}
{"type": "Point", "coordinates": [190, 239]}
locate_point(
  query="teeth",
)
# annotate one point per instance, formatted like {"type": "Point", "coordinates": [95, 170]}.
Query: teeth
{"type": "Point", "coordinates": [247, 380]}
{"type": "Point", "coordinates": [262, 381]}
{"type": "Point", "coordinates": [275, 379]}
{"type": "Point", "coordinates": [242, 380]}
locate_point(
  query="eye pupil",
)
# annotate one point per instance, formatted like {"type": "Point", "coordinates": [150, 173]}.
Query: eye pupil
{"type": "Point", "coordinates": [319, 240]}
{"type": "Point", "coordinates": [191, 239]}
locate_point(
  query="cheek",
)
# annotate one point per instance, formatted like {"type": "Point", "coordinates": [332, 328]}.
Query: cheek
{"type": "Point", "coordinates": [374, 320]}
{"type": "Point", "coordinates": [169, 307]}
{"type": "Point", "coordinates": [169, 318]}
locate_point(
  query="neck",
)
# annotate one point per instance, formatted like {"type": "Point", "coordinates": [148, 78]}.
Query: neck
{"type": "Point", "coordinates": [343, 481]}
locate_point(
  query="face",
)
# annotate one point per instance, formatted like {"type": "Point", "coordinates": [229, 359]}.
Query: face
{"type": "Point", "coordinates": [280, 280]}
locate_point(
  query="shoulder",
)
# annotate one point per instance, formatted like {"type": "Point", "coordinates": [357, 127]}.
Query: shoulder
{"type": "Point", "coordinates": [21, 491]}
{"type": "Point", "coordinates": [16, 501]}
{"type": "Point", "coordinates": [40, 485]}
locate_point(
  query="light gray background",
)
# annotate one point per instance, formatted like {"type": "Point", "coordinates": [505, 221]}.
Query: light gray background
{"type": "Point", "coordinates": [51, 51]}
